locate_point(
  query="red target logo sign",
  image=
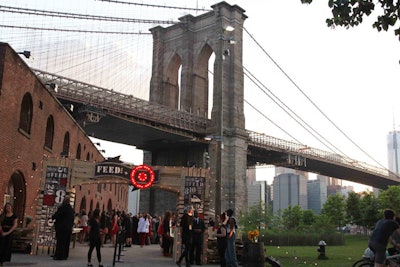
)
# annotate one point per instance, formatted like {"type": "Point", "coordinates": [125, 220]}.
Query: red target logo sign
{"type": "Point", "coordinates": [142, 176]}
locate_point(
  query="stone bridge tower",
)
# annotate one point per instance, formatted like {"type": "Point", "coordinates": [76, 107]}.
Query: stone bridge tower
{"type": "Point", "coordinates": [188, 46]}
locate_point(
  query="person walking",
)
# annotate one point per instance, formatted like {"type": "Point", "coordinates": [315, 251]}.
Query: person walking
{"type": "Point", "coordinates": [186, 235]}
{"type": "Point", "coordinates": [221, 240]}
{"type": "Point", "coordinates": [64, 221]}
{"type": "Point", "coordinates": [230, 252]}
{"type": "Point", "coordinates": [94, 237]}
{"type": "Point", "coordinates": [143, 229]}
{"type": "Point", "coordinates": [8, 223]}
{"type": "Point", "coordinates": [197, 239]}
{"type": "Point", "coordinates": [103, 227]}
{"type": "Point", "coordinates": [380, 236]}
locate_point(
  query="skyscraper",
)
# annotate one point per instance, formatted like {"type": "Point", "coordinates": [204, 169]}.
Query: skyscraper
{"type": "Point", "coordinates": [289, 190]}
{"type": "Point", "coordinates": [316, 194]}
{"type": "Point", "coordinates": [393, 141]}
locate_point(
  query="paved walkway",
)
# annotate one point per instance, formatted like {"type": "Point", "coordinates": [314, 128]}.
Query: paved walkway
{"type": "Point", "coordinates": [133, 256]}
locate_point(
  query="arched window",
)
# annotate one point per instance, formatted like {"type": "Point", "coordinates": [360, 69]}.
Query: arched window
{"type": "Point", "coordinates": [66, 144]}
{"type": "Point", "coordinates": [16, 194]}
{"type": "Point", "coordinates": [25, 119]}
{"type": "Point", "coordinates": [87, 156]}
{"type": "Point", "coordinates": [78, 152]}
{"type": "Point", "coordinates": [48, 140]}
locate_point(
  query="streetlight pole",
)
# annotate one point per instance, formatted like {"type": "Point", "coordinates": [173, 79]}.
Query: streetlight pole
{"type": "Point", "coordinates": [219, 124]}
{"type": "Point", "coordinates": [220, 120]}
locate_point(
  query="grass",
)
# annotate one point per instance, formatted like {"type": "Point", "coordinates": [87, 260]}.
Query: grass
{"type": "Point", "coordinates": [338, 256]}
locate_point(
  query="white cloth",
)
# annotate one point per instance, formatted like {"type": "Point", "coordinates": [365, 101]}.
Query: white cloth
{"type": "Point", "coordinates": [143, 225]}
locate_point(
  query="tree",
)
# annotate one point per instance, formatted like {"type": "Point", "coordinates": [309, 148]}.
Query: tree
{"type": "Point", "coordinates": [369, 210]}
{"type": "Point", "coordinates": [291, 217]}
{"type": "Point", "coordinates": [323, 224]}
{"type": "Point", "coordinates": [390, 199]}
{"type": "Point", "coordinates": [353, 208]}
{"type": "Point", "coordinates": [255, 218]}
{"type": "Point", "coordinates": [308, 217]}
{"type": "Point", "coordinates": [334, 208]}
{"type": "Point", "coordinates": [350, 13]}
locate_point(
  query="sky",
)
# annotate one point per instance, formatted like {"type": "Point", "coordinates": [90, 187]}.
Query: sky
{"type": "Point", "coordinates": [349, 74]}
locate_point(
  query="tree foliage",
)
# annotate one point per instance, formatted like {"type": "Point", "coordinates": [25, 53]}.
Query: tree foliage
{"type": "Point", "coordinates": [360, 209]}
{"type": "Point", "coordinates": [369, 210]}
{"type": "Point", "coordinates": [291, 217]}
{"type": "Point", "coordinates": [390, 199]}
{"type": "Point", "coordinates": [353, 208]}
{"type": "Point", "coordinates": [350, 13]}
{"type": "Point", "coordinates": [254, 218]}
{"type": "Point", "coordinates": [334, 208]}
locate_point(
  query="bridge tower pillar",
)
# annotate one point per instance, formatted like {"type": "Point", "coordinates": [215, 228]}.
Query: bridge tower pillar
{"type": "Point", "coordinates": [188, 46]}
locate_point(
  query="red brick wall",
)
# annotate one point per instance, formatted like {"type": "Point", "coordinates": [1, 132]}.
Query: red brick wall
{"type": "Point", "coordinates": [19, 151]}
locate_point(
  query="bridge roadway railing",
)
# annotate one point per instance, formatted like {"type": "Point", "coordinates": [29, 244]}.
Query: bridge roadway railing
{"type": "Point", "coordinates": [271, 143]}
{"type": "Point", "coordinates": [107, 99]}
{"type": "Point", "coordinates": [116, 102]}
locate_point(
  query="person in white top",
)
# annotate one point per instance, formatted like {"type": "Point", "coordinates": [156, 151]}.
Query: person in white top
{"type": "Point", "coordinates": [84, 225]}
{"type": "Point", "coordinates": [143, 228]}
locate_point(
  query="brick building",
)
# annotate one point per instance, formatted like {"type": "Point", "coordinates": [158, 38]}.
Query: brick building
{"type": "Point", "coordinates": [34, 127]}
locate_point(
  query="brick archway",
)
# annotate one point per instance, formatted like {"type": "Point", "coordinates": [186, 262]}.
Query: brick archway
{"type": "Point", "coordinates": [16, 191]}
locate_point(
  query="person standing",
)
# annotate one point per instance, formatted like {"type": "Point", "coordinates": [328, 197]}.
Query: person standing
{"type": "Point", "coordinates": [114, 227]}
{"type": "Point", "coordinates": [186, 235]}
{"type": "Point", "coordinates": [166, 233]}
{"type": "Point", "coordinates": [84, 225]}
{"type": "Point", "coordinates": [64, 221]}
{"type": "Point", "coordinates": [221, 240]}
{"type": "Point", "coordinates": [128, 229]}
{"type": "Point", "coordinates": [143, 229]}
{"type": "Point", "coordinates": [94, 237]}
{"type": "Point", "coordinates": [197, 239]}
{"type": "Point", "coordinates": [230, 252]}
{"type": "Point", "coordinates": [379, 238]}
{"type": "Point", "coordinates": [8, 223]}
{"type": "Point", "coordinates": [135, 234]}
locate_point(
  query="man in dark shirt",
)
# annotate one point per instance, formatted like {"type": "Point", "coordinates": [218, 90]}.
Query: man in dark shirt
{"type": "Point", "coordinates": [380, 236]}
{"type": "Point", "coordinates": [197, 245]}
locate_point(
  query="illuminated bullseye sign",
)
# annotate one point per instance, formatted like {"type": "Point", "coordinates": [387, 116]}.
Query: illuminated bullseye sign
{"type": "Point", "coordinates": [142, 176]}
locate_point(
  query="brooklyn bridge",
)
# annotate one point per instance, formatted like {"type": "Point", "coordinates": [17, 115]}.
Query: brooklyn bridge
{"type": "Point", "coordinates": [194, 115]}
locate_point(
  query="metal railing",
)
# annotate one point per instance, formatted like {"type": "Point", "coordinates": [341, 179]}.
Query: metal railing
{"type": "Point", "coordinates": [106, 99]}
{"type": "Point", "coordinates": [272, 143]}
{"type": "Point", "coordinates": [115, 102]}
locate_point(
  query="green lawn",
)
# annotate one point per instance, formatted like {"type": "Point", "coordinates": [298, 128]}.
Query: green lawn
{"type": "Point", "coordinates": [338, 256]}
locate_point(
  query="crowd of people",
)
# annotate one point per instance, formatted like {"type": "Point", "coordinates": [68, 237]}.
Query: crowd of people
{"type": "Point", "coordinates": [123, 228]}
{"type": "Point", "coordinates": [139, 229]}
{"type": "Point", "coordinates": [192, 228]}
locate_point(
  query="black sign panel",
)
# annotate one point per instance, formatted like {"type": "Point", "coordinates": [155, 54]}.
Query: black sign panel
{"type": "Point", "coordinates": [112, 169]}
{"type": "Point", "coordinates": [194, 192]}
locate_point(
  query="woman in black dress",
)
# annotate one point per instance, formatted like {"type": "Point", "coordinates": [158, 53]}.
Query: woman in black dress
{"type": "Point", "coordinates": [221, 240]}
{"type": "Point", "coordinates": [8, 223]}
{"type": "Point", "coordinates": [94, 237]}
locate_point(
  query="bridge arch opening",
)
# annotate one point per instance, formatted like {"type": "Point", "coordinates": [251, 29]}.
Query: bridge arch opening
{"type": "Point", "coordinates": [203, 74]}
{"type": "Point", "coordinates": [172, 82]}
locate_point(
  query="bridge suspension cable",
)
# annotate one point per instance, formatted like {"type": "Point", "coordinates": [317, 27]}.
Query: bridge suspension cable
{"type": "Point", "coordinates": [291, 113]}
{"type": "Point", "coordinates": [157, 6]}
{"type": "Point", "coordinates": [38, 12]}
{"type": "Point", "coordinates": [309, 99]}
